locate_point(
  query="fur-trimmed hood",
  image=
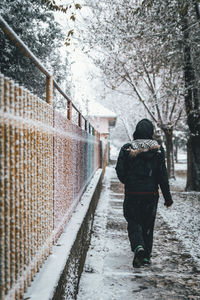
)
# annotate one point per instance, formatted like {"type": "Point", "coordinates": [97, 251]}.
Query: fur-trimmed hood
{"type": "Point", "coordinates": [142, 145]}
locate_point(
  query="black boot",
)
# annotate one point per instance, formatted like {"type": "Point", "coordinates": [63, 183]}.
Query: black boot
{"type": "Point", "coordinates": [138, 257]}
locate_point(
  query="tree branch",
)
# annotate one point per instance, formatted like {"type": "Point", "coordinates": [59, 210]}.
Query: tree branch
{"type": "Point", "coordinates": [174, 105]}
{"type": "Point", "coordinates": [141, 99]}
{"type": "Point", "coordinates": [179, 116]}
{"type": "Point", "coordinates": [126, 128]}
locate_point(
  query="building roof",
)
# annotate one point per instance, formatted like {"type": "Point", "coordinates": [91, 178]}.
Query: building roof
{"type": "Point", "coordinates": [95, 109]}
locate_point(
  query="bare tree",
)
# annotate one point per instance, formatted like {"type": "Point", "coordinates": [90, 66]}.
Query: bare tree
{"type": "Point", "coordinates": [127, 53]}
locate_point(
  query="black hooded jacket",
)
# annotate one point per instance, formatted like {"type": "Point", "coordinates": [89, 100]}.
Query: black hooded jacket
{"type": "Point", "coordinates": [141, 164]}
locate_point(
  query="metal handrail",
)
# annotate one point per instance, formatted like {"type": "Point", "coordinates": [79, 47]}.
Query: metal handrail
{"type": "Point", "coordinates": [20, 44]}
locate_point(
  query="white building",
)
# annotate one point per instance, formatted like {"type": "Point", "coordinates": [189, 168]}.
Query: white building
{"type": "Point", "coordinates": [101, 118]}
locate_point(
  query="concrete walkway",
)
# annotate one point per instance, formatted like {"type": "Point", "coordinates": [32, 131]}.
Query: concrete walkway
{"type": "Point", "coordinates": [108, 273]}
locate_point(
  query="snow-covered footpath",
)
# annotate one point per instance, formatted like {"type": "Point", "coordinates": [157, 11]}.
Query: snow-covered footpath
{"type": "Point", "coordinates": [175, 271]}
{"type": "Point", "coordinates": [184, 217]}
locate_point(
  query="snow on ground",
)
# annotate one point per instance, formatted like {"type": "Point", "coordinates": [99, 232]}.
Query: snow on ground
{"type": "Point", "coordinates": [180, 166]}
{"type": "Point", "coordinates": [114, 152]}
{"type": "Point", "coordinates": [183, 218]}
{"type": "Point", "coordinates": [175, 269]}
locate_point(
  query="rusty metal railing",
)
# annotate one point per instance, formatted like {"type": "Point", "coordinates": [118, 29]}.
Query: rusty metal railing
{"type": "Point", "coordinates": [50, 81]}
{"type": "Point", "coordinates": [46, 163]}
{"type": "Point", "coordinates": [26, 186]}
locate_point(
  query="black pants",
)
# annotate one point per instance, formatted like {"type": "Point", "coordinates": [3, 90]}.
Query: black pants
{"type": "Point", "coordinates": [140, 213]}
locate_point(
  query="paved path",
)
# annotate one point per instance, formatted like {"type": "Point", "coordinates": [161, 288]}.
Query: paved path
{"type": "Point", "coordinates": [108, 272]}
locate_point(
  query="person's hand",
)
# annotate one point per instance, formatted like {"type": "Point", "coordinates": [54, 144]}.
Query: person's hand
{"type": "Point", "coordinates": [168, 203]}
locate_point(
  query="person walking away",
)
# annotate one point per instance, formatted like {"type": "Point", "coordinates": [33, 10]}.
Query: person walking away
{"type": "Point", "coordinates": [141, 168]}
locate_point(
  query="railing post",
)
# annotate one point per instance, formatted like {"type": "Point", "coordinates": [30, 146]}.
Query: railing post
{"type": "Point", "coordinates": [69, 110]}
{"type": "Point", "coordinates": [49, 90]}
{"type": "Point", "coordinates": [79, 119]}
{"type": "Point", "coordinates": [86, 125]}
{"type": "Point", "coordinates": [2, 191]}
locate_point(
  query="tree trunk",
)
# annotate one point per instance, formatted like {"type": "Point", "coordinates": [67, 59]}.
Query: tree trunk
{"type": "Point", "coordinates": [169, 152]}
{"type": "Point", "coordinates": [197, 10]}
{"type": "Point", "coordinates": [193, 162]}
{"type": "Point", "coordinates": [189, 168]}
{"type": "Point", "coordinates": [193, 112]}
{"type": "Point", "coordinates": [176, 153]}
